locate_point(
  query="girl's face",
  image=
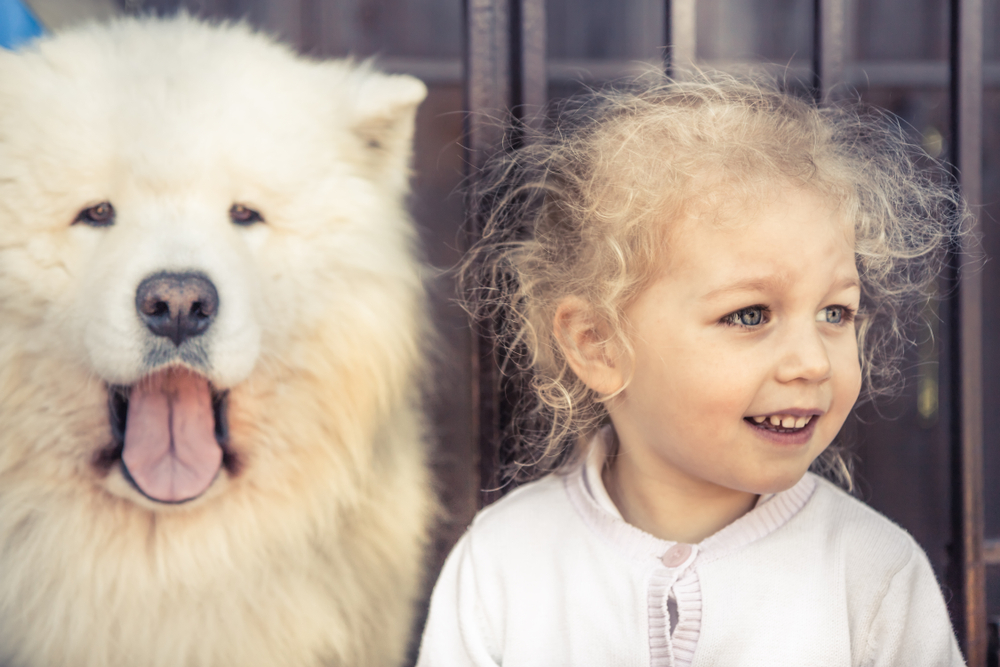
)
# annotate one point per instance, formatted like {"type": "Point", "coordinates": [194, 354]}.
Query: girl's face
{"type": "Point", "coordinates": [746, 359]}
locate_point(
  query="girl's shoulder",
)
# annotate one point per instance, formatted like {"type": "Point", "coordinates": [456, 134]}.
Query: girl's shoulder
{"type": "Point", "coordinates": [863, 536]}
{"type": "Point", "coordinates": [892, 595]}
{"type": "Point", "coordinates": [535, 509]}
{"type": "Point", "coordinates": [852, 514]}
{"type": "Point", "coordinates": [522, 540]}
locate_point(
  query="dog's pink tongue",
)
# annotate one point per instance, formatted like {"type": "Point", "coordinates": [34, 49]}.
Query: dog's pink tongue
{"type": "Point", "coordinates": [170, 447]}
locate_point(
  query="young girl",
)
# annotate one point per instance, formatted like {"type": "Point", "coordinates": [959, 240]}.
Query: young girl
{"type": "Point", "coordinates": [703, 278]}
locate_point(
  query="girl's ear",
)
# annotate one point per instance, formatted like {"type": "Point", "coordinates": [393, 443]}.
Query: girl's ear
{"type": "Point", "coordinates": [583, 339]}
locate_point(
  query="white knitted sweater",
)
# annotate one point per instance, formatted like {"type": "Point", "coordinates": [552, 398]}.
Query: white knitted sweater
{"type": "Point", "coordinates": [552, 576]}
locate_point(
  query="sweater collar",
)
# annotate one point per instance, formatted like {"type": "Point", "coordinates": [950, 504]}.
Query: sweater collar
{"type": "Point", "coordinates": [591, 500]}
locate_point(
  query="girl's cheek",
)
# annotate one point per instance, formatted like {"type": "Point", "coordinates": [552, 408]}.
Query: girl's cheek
{"type": "Point", "coordinates": [849, 373]}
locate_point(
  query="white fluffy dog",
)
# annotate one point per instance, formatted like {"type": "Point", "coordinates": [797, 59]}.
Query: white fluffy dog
{"type": "Point", "coordinates": [210, 343]}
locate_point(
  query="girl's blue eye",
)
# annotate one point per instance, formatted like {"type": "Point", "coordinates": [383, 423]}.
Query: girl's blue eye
{"type": "Point", "coordinates": [747, 317]}
{"type": "Point", "coordinates": [751, 317]}
{"type": "Point", "coordinates": [831, 315]}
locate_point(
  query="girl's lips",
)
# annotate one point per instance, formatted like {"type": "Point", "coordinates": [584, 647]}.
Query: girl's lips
{"type": "Point", "coordinates": [798, 412]}
{"type": "Point", "coordinates": [792, 437]}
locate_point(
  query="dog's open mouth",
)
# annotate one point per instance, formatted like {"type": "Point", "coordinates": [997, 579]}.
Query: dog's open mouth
{"type": "Point", "coordinates": [171, 434]}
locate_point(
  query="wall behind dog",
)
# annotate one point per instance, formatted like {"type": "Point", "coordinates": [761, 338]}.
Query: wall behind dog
{"type": "Point", "coordinates": [897, 59]}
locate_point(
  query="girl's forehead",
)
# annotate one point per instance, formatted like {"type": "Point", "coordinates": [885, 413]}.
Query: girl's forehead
{"type": "Point", "coordinates": [748, 224]}
{"type": "Point", "coordinates": [733, 209]}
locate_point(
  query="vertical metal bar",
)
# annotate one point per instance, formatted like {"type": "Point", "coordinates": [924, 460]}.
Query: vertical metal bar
{"type": "Point", "coordinates": [530, 88]}
{"type": "Point", "coordinates": [967, 347]}
{"type": "Point", "coordinates": [680, 36]}
{"type": "Point", "coordinates": [828, 46]}
{"type": "Point", "coordinates": [504, 71]}
{"type": "Point", "coordinates": [487, 76]}
{"type": "Point", "coordinates": [488, 84]}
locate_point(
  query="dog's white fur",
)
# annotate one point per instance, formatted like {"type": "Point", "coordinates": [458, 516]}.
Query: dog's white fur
{"type": "Point", "coordinates": [309, 551]}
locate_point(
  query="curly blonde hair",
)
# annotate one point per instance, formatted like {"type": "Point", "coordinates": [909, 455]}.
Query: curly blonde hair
{"type": "Point", "coordinates": [579, 209]}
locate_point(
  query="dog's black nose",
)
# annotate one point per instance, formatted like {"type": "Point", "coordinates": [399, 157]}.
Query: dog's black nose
{"type": "Point", "coordinates": [177, 305]}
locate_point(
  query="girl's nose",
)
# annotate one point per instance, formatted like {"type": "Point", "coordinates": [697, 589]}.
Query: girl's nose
{"type": "Point", "coordinates": [804, 356]}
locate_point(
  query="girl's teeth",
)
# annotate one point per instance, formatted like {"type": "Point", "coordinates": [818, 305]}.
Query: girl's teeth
{"type": "Point", "coordinates": [783, 421]}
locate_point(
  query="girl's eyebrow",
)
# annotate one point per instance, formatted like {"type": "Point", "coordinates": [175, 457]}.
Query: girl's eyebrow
{"type": "Point", "coordinates": [846, 282]}
{"type": "Point", "coordinates": [773, 283]}
{"type": "Point", "coordinates": [752, 284]}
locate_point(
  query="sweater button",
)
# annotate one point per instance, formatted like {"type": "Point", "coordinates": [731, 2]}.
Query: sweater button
{"type": "Point", "coordinates": [676, 555]}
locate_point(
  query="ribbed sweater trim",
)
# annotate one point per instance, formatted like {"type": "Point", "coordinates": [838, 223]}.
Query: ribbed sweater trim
{"type": "Point", "coordinates": [647, 551]}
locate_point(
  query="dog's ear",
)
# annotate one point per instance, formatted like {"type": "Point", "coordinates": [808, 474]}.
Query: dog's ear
{"type": "Point", "coordinates": [386, 110]}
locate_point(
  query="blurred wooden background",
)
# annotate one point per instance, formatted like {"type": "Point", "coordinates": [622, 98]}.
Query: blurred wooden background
{"type": "Point", "coordinates": [896, 56]}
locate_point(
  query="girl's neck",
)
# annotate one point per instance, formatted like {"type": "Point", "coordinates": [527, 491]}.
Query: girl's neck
{"type": "Point", "coordinates": [671, 509]}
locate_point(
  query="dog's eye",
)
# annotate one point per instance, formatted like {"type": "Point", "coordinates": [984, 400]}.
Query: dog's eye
{"type": "Point", "coordinates": [102, 215]}
{"type": "Point", "coordinates": [242, 215]}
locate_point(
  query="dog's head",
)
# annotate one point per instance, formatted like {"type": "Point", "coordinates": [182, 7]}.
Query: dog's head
{"type": "Point", "coordinates": [187, 211]}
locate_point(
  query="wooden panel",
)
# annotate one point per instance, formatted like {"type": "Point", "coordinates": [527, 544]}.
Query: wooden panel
{"type": "Point", "coordinates": [601, 30]}
{"type": "Point", "coordinates": [284, 19]}
{"type": "Point", "coordinates": [991, 551]}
